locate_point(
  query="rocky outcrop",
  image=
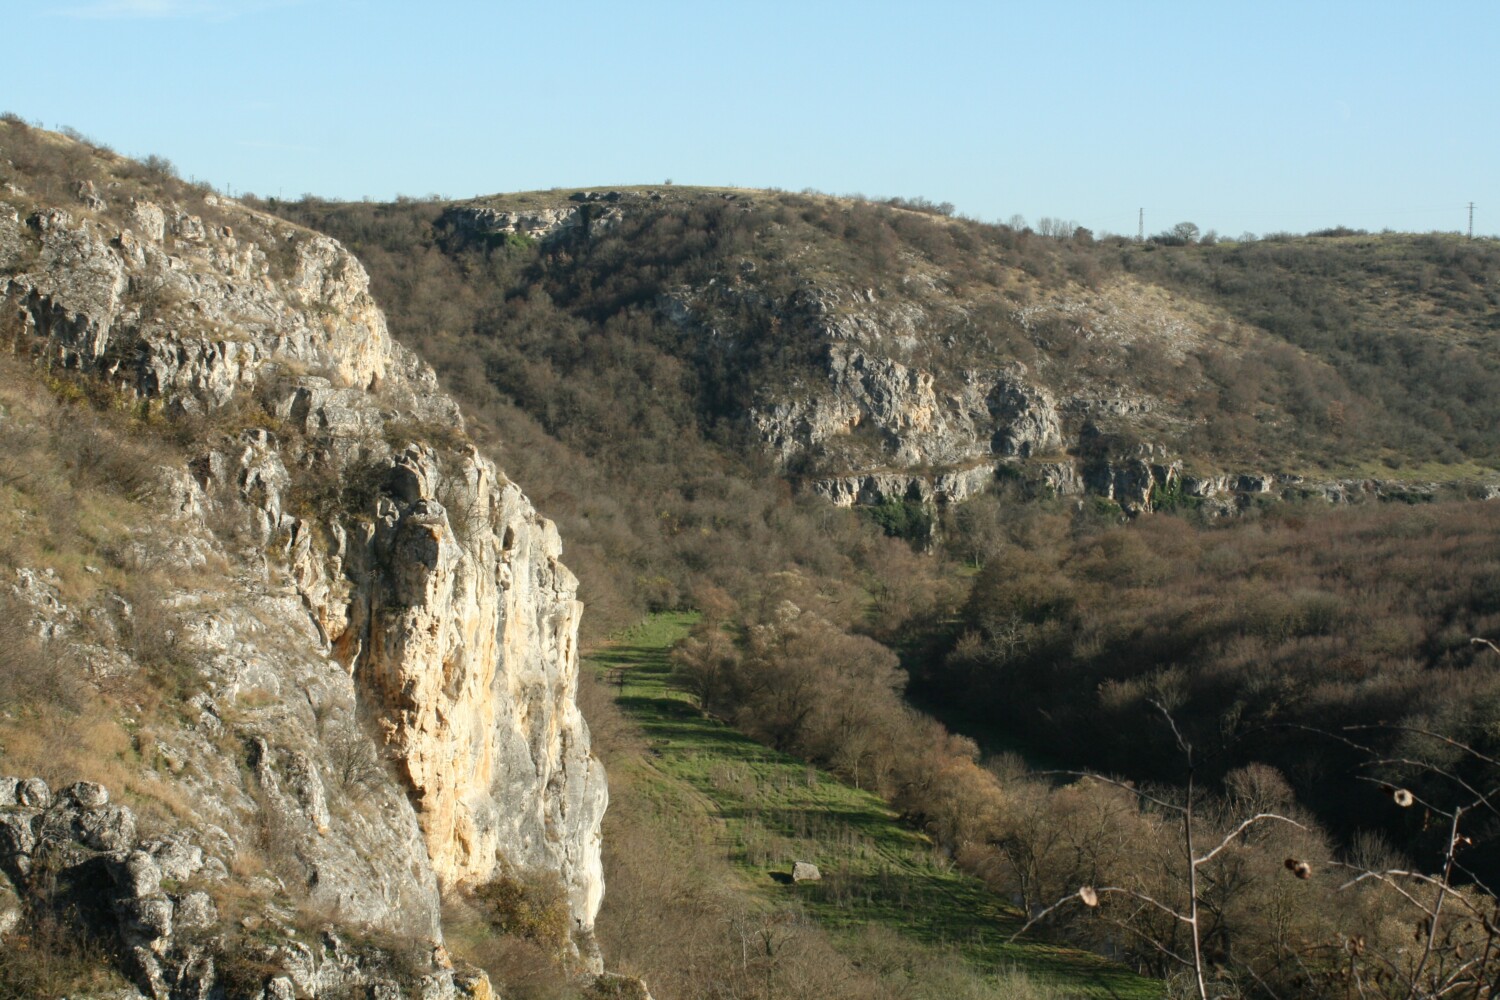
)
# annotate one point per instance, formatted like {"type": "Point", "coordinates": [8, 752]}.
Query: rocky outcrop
{"type": "Point", "coordinates": [77, 855]}
{"type": "Point", "coordinates": [878, 411]}
{"type": "Point", "coordinates": [875, 427]}
{"type": "Point", "coordinates": [882, 430]}
{"type": "Point", "coordinates": [77, 850]}
{"type": "Point", "coordinates": [1134, 485]}
{"type": "Point", "coordinates": [587, 220]}
{"type": "Point", "coordinates": [464, 622]}
{"type": "Point", "coordinates": [392, 654]}
{"type": "Point", "coordinates": [1025, 416]}
{"type": "Point", "coordinates": [953, 486]}
{"type": "Point", "coordinates": [926, 389]}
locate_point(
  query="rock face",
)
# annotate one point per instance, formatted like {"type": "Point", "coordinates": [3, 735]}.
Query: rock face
{"type": "Point", "coordinates": [588, 219]}
{"type": "Point", "coordinates": [914, 435]}
{"type": "Point", "coordinates": [888, 416]}
{"type": "Point", "coordinates": [914, 422]}
{"type": "Point", "coordinates": [392, 653]}
{"type": "Point", "coordinates": [464, 624]}
{"type": "Point", "coordinates": [874, 367]}
{"type": "Point", "coordinates": [81, 855]}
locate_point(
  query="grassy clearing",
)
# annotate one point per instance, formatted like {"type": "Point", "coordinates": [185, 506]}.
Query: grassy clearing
{"type": "Point", "coordinates": [767, 810]}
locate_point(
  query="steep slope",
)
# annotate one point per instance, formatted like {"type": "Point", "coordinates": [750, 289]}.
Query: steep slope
{"type": "Point", "coordinates": [877, 354]}
{"type": "Point", "coordinates": [889, 915]}
{"type": "Point", "coordinates": [337, 556]}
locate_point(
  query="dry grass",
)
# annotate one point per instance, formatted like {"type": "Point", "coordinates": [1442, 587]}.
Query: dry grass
{"type": "Point", "coordinates": [48, 958]}
{"type": "Point", "coordinates": [76, 478]}
{"type": "Point", "coordinates": [61, 745]}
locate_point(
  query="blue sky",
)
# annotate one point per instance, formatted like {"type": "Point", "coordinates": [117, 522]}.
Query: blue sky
{"type": "Point", "coordinates": [1258, 116]}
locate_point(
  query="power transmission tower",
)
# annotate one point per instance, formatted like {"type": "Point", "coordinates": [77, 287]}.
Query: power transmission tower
{"type": "Point", "coordinates": [1471, 220]}
{"type": "Point", "coordinates": [1140, 227]}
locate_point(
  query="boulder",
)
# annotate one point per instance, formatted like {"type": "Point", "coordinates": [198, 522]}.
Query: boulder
{"type": "Point", "coordinates": [17, 838]}
{"type": "Point", "coordinates": [139, 876]}
{"type": "Point", "coordinates": [178, 859]}
{"type": "Point", "coordinates": [473, 984]}
{"type": "Point", "coordinates": [146, 921]}
{"type": "Point", "coordinates": [196, 912]}
{"type": "Point", "coordinates": [806, 871]}
{"type": "Point", "coordinates": [87, 795]}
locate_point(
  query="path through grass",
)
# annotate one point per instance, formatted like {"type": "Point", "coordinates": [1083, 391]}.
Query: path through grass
{"type": "Point", "coordinates": [770, 809]}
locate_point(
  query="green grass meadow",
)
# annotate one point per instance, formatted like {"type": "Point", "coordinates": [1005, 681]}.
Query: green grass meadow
{"type": "Point", "coordinates": [768, 810]}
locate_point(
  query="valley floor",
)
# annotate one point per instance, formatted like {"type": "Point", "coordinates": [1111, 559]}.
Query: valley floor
{"type": "Point", "coordinates": [889, 899]}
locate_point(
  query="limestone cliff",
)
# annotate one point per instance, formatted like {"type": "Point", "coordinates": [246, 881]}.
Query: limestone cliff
{"type": "Point", "coordinates": [908, 397]}
{"type": "Point", "coordinates": [388, 658]}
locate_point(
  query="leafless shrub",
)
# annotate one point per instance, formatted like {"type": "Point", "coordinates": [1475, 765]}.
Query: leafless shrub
{"type": "Point", "coordinates": [1192, 911]}
{"type": "Point", "coordinates": [516, 928]}
{"type": "Point", "coordinates": [49, 956]}
{"type": "Point", "coordinates": [352, 755]}
{"type": "Point", "coordinates": [31, 671]}
{"type": "Point", "coordinates": [98, 454]}
{"type": "Point", "coordinates": [152, 632]}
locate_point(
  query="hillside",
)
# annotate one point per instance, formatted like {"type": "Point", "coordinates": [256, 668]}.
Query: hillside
{"type": "Point", "coordinates": [712, 826]}
{"type": "Point", "coordinates": [316, 654]}
{"type": "Point", "coordinates": [289, 664]}
{"type": "Point", "coordinates": [728, 397]}
{"type": "Point", "coordinates": [873, 353]}
{"type": "Point", "coordinates": [314, 657]}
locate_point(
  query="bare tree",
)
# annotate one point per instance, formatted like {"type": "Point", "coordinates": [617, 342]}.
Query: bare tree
{"type": "Point", "coordinates": [1456, 915]}
{"type": "Point", "coordinates": [1187, 232]}
{"type": "Point", "coordinates": [352, 755]}
{"type": "Point", "coordinates": [1188, 912]}
{"type": "Point", "coordinates": [1061, 229]}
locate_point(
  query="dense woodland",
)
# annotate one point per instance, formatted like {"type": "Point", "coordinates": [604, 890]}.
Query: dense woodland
{"type": "Point", "coordinates": [1317, 662]}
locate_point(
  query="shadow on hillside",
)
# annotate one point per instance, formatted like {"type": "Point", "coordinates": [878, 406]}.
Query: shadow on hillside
{"type": "Point", "coordinates": [634, 657]}
{"type": "Point", "coordinates": [666, 708]}
{"type": "Point", "coordinates": [821, 821]}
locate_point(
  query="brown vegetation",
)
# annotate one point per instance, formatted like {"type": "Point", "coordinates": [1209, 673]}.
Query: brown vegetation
{"type": "Point", "coordinates": [628, 429]}
{"type": "Point", "coordinates": [1304, 617]}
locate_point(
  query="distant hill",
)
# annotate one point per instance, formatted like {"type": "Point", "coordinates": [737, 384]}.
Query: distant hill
{"type": "Point", "coordinates": [873, 353]}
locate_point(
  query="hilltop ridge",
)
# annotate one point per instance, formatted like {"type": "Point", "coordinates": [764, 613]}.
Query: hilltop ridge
{"type": "Point", "coordinates": [881, 353]}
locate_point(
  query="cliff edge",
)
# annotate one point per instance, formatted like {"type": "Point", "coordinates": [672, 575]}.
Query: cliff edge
{"type": "Point", "coordinates": [383, 637]}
